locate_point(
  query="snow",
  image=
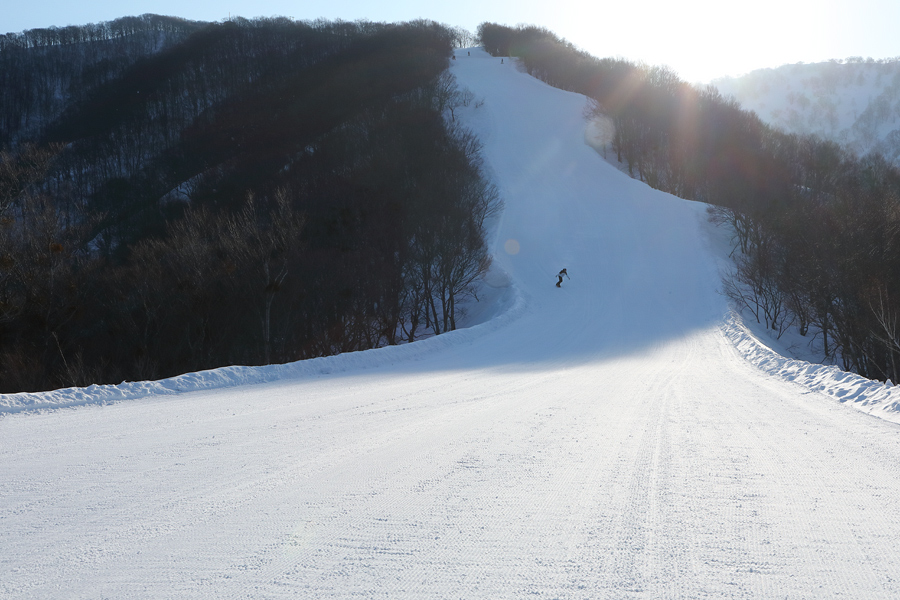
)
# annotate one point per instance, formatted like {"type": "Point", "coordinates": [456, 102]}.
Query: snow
{"type": "Point", "coordinates": [624, 436]}
{"type": "Point", "coordinates": [854, 103]}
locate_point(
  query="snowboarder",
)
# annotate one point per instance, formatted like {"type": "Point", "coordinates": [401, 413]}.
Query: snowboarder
{"type": "Point", "coordinates": [560, 275]}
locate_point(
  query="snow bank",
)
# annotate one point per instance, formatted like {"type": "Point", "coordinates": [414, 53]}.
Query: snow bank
{"type": "Point", "coordinates": [876, 398]}
{"type": "Point", "coordinates": [509, 307]}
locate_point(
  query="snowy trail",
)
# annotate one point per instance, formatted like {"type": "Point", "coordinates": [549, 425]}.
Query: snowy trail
{"type": "Point", "coordinates": [606, 441]}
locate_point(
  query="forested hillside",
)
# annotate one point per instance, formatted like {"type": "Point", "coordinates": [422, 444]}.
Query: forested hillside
{"type": "Point", "coordinates": [816, 227]}
{"type": "Point", "coordinates": [242, 192]}
{"type": "Point", "coordinates": [855, 102]}
{"type": "Point", "coordinates": [43, 71]}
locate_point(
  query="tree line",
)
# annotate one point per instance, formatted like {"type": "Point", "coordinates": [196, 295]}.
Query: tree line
{"type": "Point", "coordinates": [816, 227]}
{"type": "Point", "coordinates": [42, 71]}
{"type": "Point", "coordinates": [254, 191]}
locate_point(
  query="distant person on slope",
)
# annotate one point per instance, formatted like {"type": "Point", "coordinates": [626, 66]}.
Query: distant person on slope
{"type": "Point", "coordinates": [560, 275]}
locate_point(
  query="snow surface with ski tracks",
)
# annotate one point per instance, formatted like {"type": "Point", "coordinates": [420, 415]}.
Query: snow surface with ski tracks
{"type": "Point", "coordinates": [612, 438]}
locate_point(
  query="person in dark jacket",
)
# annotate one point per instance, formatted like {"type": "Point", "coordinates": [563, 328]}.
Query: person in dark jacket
{"type": "Point", "coordinates": [561, 273]}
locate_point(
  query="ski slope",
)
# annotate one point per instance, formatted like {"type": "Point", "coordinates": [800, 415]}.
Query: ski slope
{"type": "Point", "coordinates": [622, 436]}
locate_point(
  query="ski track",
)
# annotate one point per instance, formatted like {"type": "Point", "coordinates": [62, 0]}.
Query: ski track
{"type": "Point", "coordinates": [609, 439]}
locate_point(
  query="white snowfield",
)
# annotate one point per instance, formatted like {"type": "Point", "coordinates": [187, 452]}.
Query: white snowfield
{"type": "Point", "coordinates": [623, 436]}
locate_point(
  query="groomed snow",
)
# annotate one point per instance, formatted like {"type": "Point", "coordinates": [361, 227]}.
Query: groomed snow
{"type": "Point", "coordinates": [623, 436]}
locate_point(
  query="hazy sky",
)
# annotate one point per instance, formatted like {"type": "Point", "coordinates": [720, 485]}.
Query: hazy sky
{"type": "Point", "coordinates": [700, 39]}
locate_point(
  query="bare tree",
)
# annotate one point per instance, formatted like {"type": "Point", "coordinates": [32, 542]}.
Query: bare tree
{"type": "Point", "coordinates": [263, 242]}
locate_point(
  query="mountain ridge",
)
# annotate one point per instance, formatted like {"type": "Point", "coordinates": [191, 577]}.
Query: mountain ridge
{"type": "Point", "coordinates": [855, 102]}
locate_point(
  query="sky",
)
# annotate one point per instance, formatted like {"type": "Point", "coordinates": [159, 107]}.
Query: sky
{"type": "Point", "coordinates": [699, 39]}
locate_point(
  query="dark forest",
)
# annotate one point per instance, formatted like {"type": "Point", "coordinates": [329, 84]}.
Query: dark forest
{"type": "Point", "coordinates": [178, 196]}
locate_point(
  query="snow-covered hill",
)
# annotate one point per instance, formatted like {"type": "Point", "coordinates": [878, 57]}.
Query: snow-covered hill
{"type": "Point", "coordinates": [605, 439]}
{"type": "Point", "coordinates": [854, 102]}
